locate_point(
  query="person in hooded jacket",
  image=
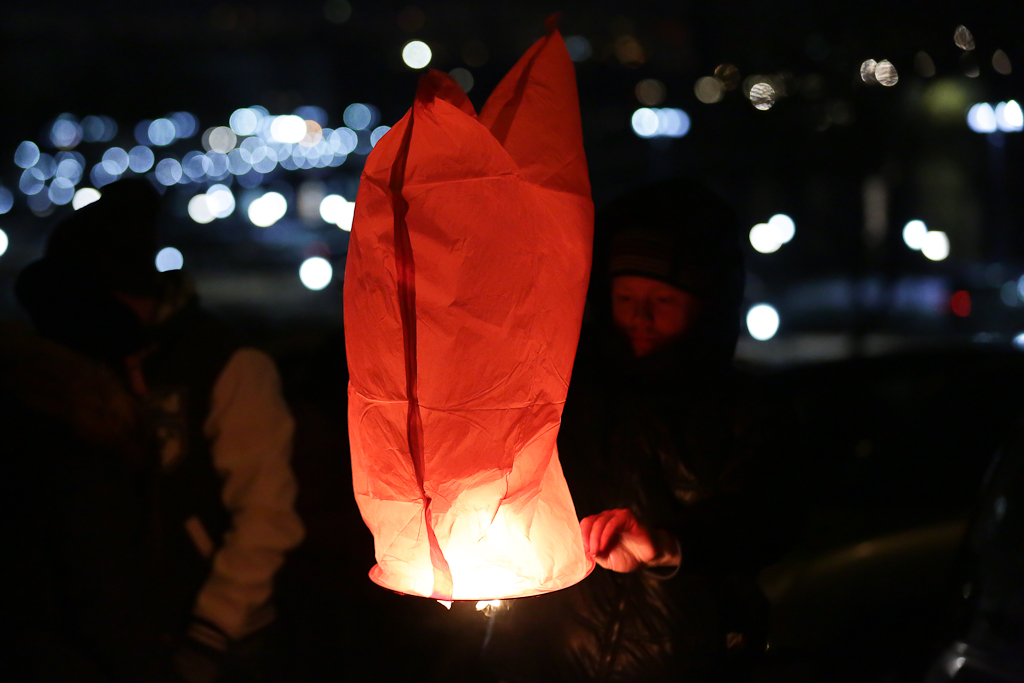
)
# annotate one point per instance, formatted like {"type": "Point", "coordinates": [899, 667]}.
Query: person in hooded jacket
{"type": "Point", "coordinates": [680, 489]}
{"type": "Point", "coordinates": [226, 489]}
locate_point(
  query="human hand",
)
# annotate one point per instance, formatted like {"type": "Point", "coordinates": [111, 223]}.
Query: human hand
{"type": "Point", "coordinates": [617, 541]}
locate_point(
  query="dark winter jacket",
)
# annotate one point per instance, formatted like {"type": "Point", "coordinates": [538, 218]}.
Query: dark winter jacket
{"type": "Point", "coordinates": [76, 590]}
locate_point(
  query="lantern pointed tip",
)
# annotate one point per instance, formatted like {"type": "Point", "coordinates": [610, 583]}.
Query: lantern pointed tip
{"type": "Point", "coordinates": [552, 22]}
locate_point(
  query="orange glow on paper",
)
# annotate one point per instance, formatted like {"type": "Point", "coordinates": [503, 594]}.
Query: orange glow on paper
{"type": "Point", "coordinates": [464, 288]}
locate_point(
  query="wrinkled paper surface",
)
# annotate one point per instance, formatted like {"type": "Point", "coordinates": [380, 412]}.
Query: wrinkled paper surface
{"type": "Point", "coordinates": [464, 290]}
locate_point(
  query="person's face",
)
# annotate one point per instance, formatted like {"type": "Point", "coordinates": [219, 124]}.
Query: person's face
{"type": "Point", "coordinates": [652, 314]}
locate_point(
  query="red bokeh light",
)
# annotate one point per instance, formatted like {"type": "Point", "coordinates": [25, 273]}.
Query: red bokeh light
{"type": "Point", "coordinates": [961, 304]}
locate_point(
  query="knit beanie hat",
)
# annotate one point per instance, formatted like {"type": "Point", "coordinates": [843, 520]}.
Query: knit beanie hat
{"type": "Point", "coordinates": [103, 248]}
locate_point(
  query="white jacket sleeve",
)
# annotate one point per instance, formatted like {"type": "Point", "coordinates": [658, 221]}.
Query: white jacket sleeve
{"type": "Point", "coordinates": [250, 430]}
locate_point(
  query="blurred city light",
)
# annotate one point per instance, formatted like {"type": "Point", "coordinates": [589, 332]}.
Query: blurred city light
{"type": "Point", "coordinates": [84, 197]}
{"type": "Point", "coordinates": [288, 128]}
{"type": "Point", "coordinates": [62, 191]}
{"type": "Point", "coordinates": [199, 210]}
{"type": "Point", "coordinates": [141, 132]}
{"type": "Point", "coordinates": [4, 242]}
{"type": "Point", "coordinates": [762, 322]}
{"type": "Point", "coordinates": [763, 239]}
{"type": "Point", "coordinates": [46, 165]}
{"type": "Point", "coordinates": [960, 304]}
{"type": "Point", "coordinates": [26, 155]}
{"type": "Point", "coordinates": [268, 209]}
{"type": "Point", "coordinates": [337, 210]}
{"type": "Point", "coordinates": [913, 234]}
{"type": "Point", "coordinates": [416, 54]}
{"type": "Point", "coordinates": [32, 181]}
{"type": "Point", "coordinates": [1018, 341]}
{"type": "Point", "coordinates": [783, 227]}
{"type": "Point", "coordinates": [98, 129]}
{"type": "Point", "coordinates": [981, 118]}
{"type": "Point", "coordinates": [378, 133]}
{"type": "Point", "coordinates": [867, 70]}
{"type": "Point", "coordinates": [168, 171]}
{"type": "Point", "coordinates": [316, 273]}
{"type": "Point", "coordinates": [579, 48]}
{"type": "Point", "coordinates": [218, 165]}
{"type": "Point", "coordinates": [650, 92]}
{"type": "Point", "coordinates": [244, 121]}
{"type": "Point", "coordinates": [220, 201]}
{"type": "Point", "coordinates": [885, 73]}
{"type": "Point", "coordinates": [649, 122]}
{"type": "Point", "coordinates": [140, 159]}
{"type": "Point", "coordinates": [115, 161]}
{"type": "Point", "coordinates": [70, 169]}
{"type": "Point", "coordinates": [357, 117]}
{"type": "Point", "coordinates": [185, 124]}
{"type": "Point", "coordinates": [65, 132]}
{"type": "Point", "coordinates": [463, 77]}
{"type": "Point", "coordinates": [236, 164]}
{"type": "Point", "coordinates": [40, 204]}
{"type": "Point", "coordinates": [160, 132]}
{"type": "Point", "coordinates": [222, 139]}
{"type": "Point", "coordinates": [963, 38]}
{"type": "Point", "coordinates": [935, 245]}
{"type": "Point", "coordinates": [762, 96]}
{"type": "Point", "coordinates": [709, 90]}
{"type": "Point", "coordinates": [1009, 117]}
{"type": "Point", "coordinates": [99, 176]}
{"type": "Point", "coordinates": [6, 200]}
{"type": "Point", "coordinates": [195, 165]}
{"type": "Point", "coordinates": [169, 258]}
{"type": "Point", "coordinates": [1001, 63]}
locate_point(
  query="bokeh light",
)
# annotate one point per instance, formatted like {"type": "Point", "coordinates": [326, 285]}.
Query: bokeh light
{"type": "Point", "coordinates": [218, 165]}
{"type": "Point", "coordinates": [46, 165]}
{"type": "Point", "coordinates": [27, 154]}
{"type": "Point", "coordinates": [463, 77]}
{"type": "Point", "coordinates": [98, 128]}
{"type": "Point", "coordinates": [65, 133]}
{"type": "Point", "coordinates": [316, 273]}
{"type": "Point", "coordinates": [762, 322]}
{"type": "Point", "coordinates": [337, 210]}
{"type": "Point", "coordinates": [963, 38]}
{"type": "Point", "coordinates": [62, 191]}
{"type": "Point", "coordinates": [168, 171]}
{"type": "Point", "coordinates": [141, 132]}
{"type": "Point", "coordinates": [4, 242]}
{"type": "Point", "coordinates": [199, 210]}
{"type": "Point", "coordinates": [709, 90]}
{"type": "Point", "coordinates": [763, 239]}
{"type": "Point", "coordinates": [935, 245]}
{"type": "Point", "coordinates": [981, 118]}
{"type": "Point", "coordinates": [783, 227]}
{"type": "Point", "coordinates": [84, 197]}
{"type": "Point", "coordinates": [378, 133]}
{"type": "Point", "coordinates": [1009, 117]}
{"type": "Point", "coordinates": [913, 234]}
{"type": "Point", "coordinates": [244, 121]}
{"type": "Point", "coordinates": [140, 159]}
{"type": "Point", "coordinates": [1001, 63]}
{"type": "Point", "coordinates": [357, 117]}
{"type": "Point", "coordinates": [867, 70]}
{"type": "Point", "coordinates": [100, 176]}
{"type": "Point", "coordinates": [160, 132]}
{"type": "Point", "coordinates": [169, 258]}
{"type": "Point", "coordinates": [71, 169]}
{"type": "Point", "coordinates": [115, 161]}
{"type": "Point", "coordinates": [267, 209]}
{"type": "Point", "coordinates": [885, 73]}
{"type": "Point", "coordinates": [220, 201]}
{"type": "Point", "coordinates": [924, 65]}
{"type": "Point", "coordinates": [416, 54]}
{"type": "Point", "coordinates": [645, 122]}
{"type": "Point", "coordinates": [650, 92]}
{"type": "Point", "coordinates": [40, 204]}
{"type": "Point", "coordinates": [579, 48]}
{"type": "Point", "coordinates": [6, 200]}
{"type": "Point", "coordinates": [288, 128]}
{"type": "Point", "coordinates": [32, 181]}
{"type": "Point", "coordinates": [222, 139]}
{"type": "Point", "coordinates": [185, 124]}
{"type": "Point", "coordinates": [762, 96]}
{"type": "Point", "coordinates": [195, 165]}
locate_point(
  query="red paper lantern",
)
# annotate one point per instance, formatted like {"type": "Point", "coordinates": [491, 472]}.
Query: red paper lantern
{"type": "Point", "coordinates": [464, 289]}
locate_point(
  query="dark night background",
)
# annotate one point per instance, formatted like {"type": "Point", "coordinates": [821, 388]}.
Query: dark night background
{"type": "Point", "coordinates": [916, 393]}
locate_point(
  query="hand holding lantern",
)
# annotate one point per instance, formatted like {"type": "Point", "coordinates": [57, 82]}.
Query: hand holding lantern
{"type": "Point", "coordinates": [617, 541]}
